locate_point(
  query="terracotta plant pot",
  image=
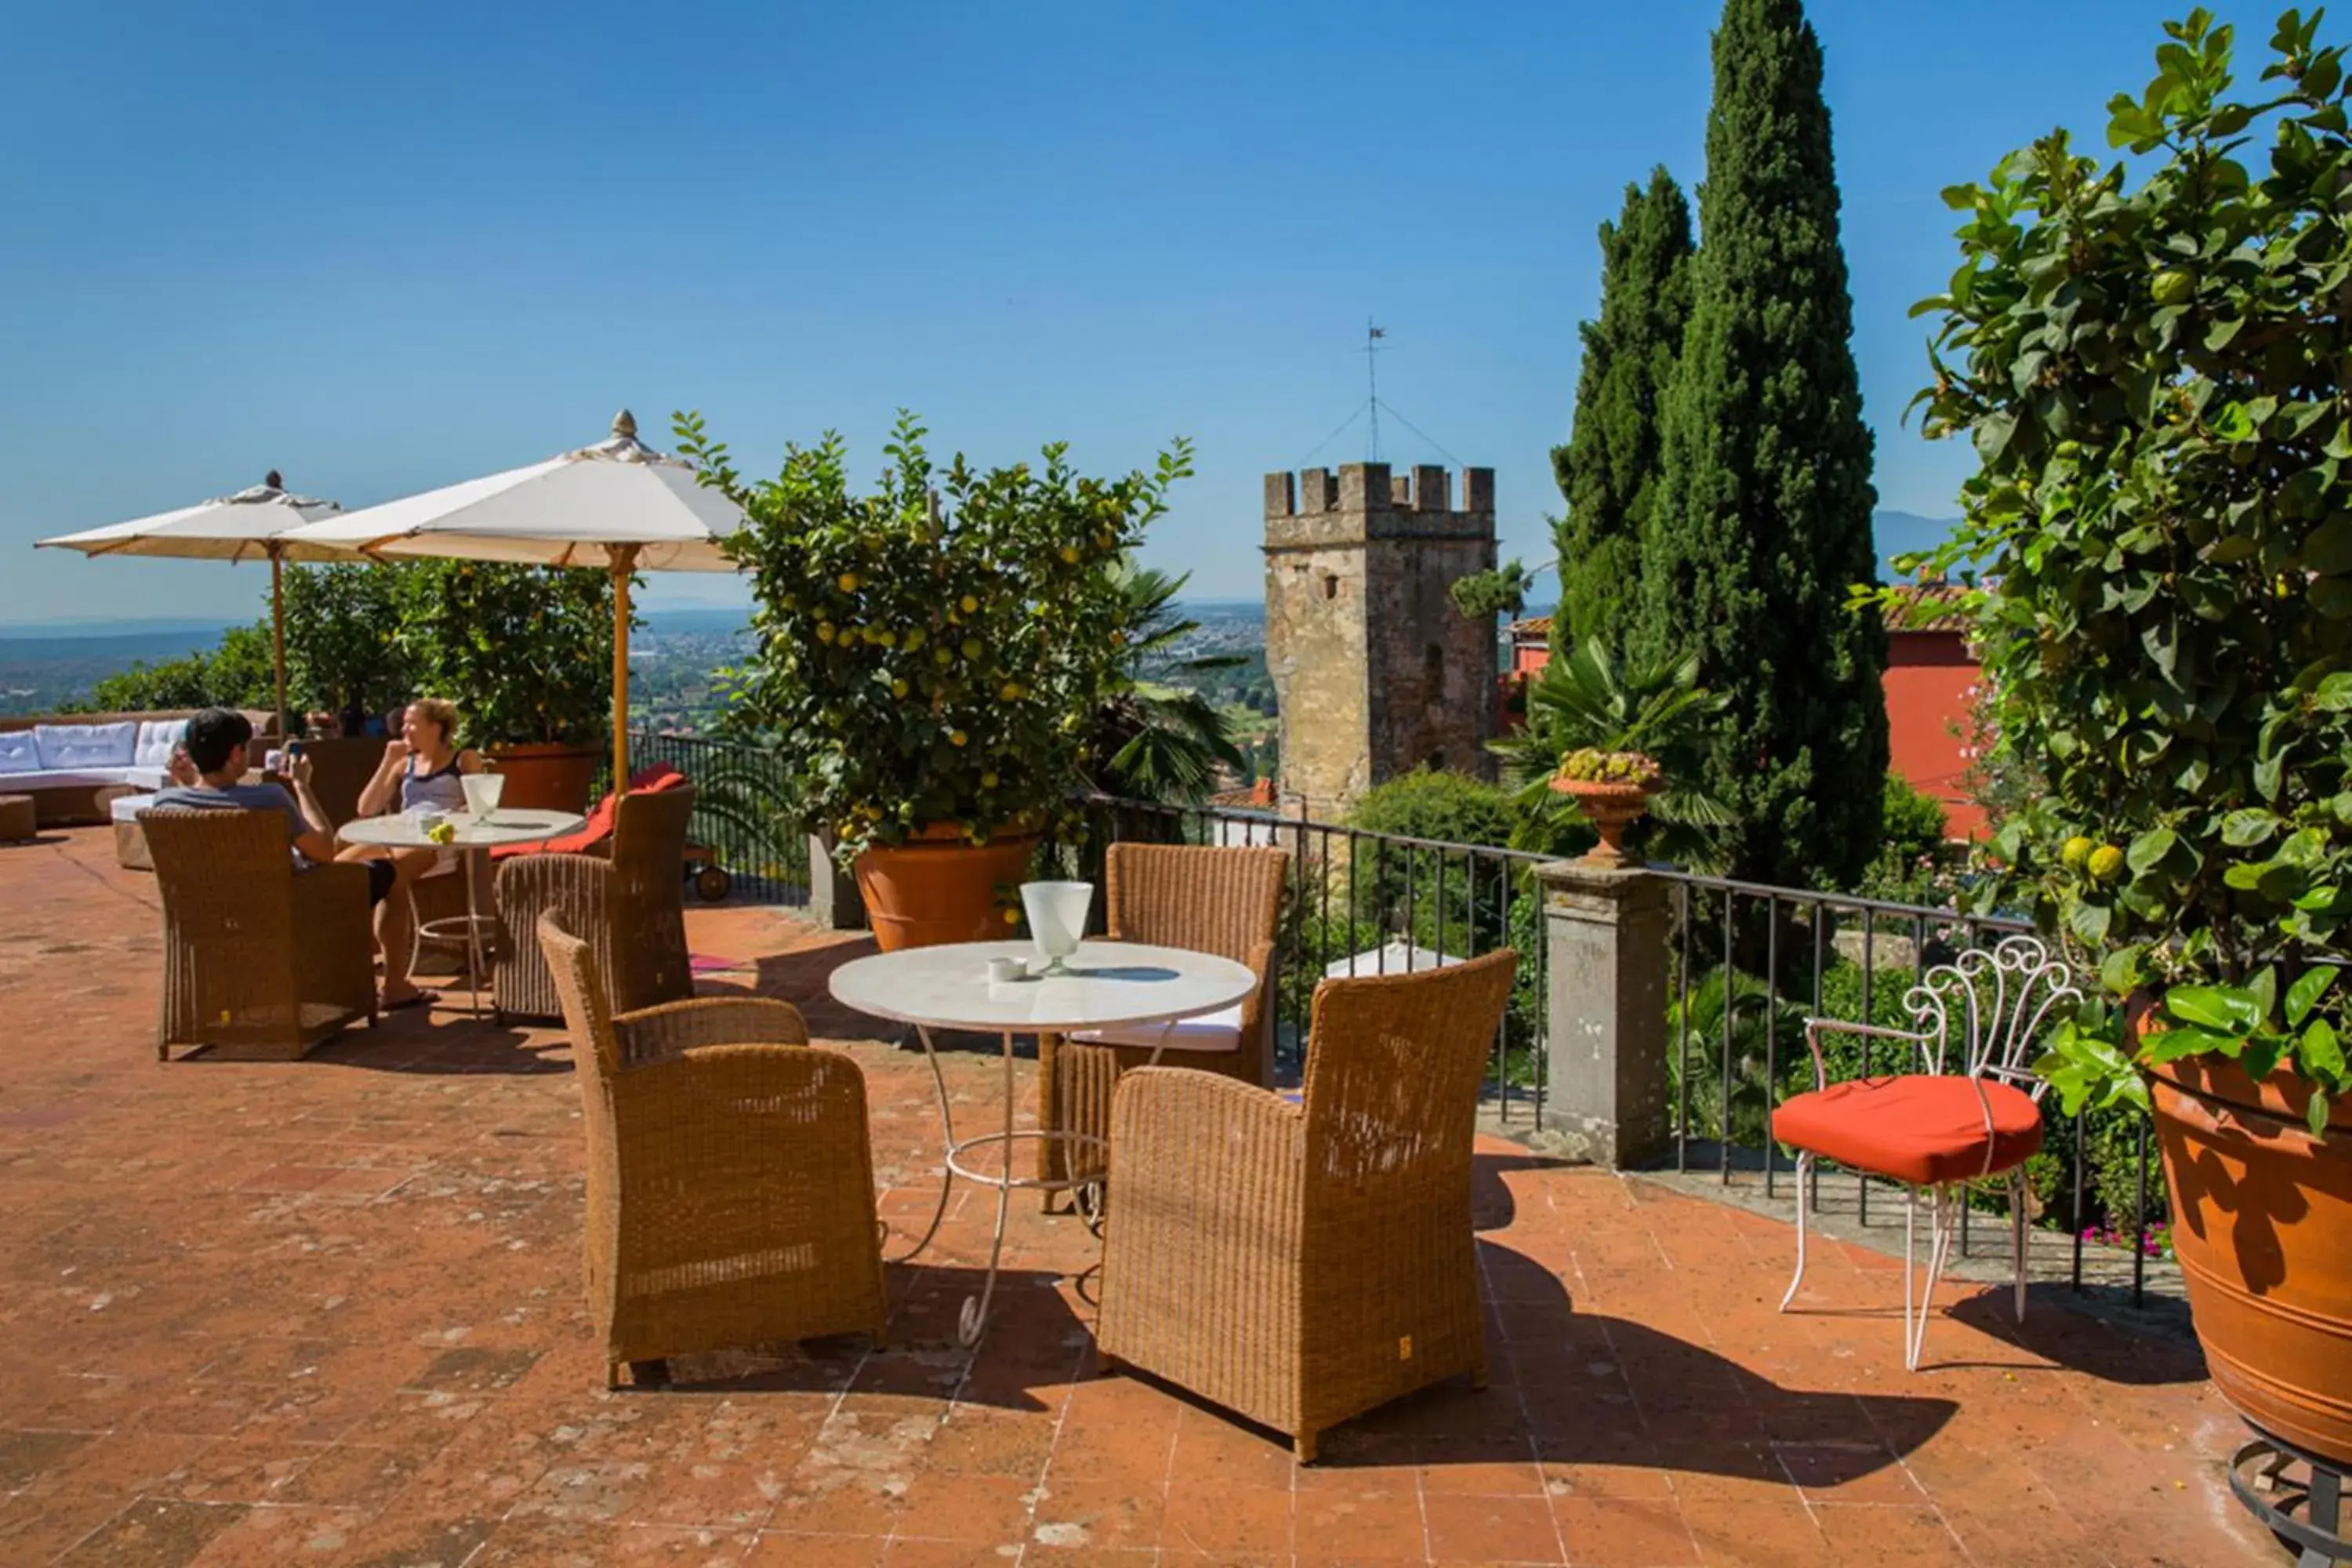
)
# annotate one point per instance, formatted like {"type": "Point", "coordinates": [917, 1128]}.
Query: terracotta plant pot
{"type": "Point", "coordinates": [2260, 1214]}
{"type": "Point", "coordinates": [548, 775]}
{"type": "Point", "coordinates": [940, 887]}
{"type": "Point", "coordinates": [1611, 807]}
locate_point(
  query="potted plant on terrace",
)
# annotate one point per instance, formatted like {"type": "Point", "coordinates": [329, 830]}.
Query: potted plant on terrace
{"type": "Point", "coordinates": [1614, 790]}
{"type": "Point", "coordinates": [526, 652]}
{"type": "Point", "coordinates": [930, 657]}
{"type": "Point", "coordinates": [2152, 374]}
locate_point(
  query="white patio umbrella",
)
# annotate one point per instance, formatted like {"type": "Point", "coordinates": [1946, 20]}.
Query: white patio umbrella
{"type": "Point", "coordinates": [617, 505]}
{"type": "Point", "coordinates": [252, 524]}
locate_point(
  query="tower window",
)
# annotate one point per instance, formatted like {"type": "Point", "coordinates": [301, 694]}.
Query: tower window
{"type": "Point", "coordinates": [1433, 672]}
{"type": "Point", "coordinates": [1330, 585]}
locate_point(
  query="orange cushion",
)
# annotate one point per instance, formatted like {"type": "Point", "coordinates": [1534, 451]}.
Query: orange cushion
{"type": "Point", "coordinates": [1920, 1130]}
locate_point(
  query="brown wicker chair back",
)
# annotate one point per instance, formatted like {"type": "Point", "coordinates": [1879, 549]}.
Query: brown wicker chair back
{"type": "Point", "coordinates": [730, 1184]}
{"type": "Point", "coordinates": [1303, 1264]}
{"type": "Point", "coordinates": [257, 958]}
{"type": "Point", "coordinates": [630, 904]}
{"type": "Point", "coordinates": [648, 901]}
{"type": "Point", "coordinates": [1227, 902]}
{"type": "Point", "coordinates": [1394, 1063]}
{"type": "Point", "coordinates": [1221, 901]}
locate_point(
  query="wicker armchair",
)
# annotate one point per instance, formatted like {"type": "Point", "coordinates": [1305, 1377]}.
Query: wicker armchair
{"type": "Point", "coordinates": [258, 957]}
{"type": "Point", "coordinates": [1301, 1263]}
{"type": "Point", "coordinates": [630, 904]}
{"type": "Point", "coordinates": [1227, 902]}
{"type": "Point", "coordinates": [731, 1187]}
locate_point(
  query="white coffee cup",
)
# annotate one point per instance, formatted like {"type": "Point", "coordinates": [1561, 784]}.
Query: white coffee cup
{"type": "Point", "coordinates": [1002, 971]}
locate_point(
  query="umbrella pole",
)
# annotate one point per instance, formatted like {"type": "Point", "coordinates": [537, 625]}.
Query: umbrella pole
{"type": "Point", "coordinates": [278, 633]}
{"type": "Point", "coordinates": [622, 561]}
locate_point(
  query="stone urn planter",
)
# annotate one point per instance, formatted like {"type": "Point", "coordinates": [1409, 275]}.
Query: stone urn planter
{"type": "Point", "coordinates": [939, 886]}
{"type": "Point", "coordinates": [2262, 1225]}
{"type": "Point", "coordinates": [1611, 806]}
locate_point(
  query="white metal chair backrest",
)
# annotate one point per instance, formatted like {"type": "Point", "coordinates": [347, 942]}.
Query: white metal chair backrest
{"type": "Point", "coordinates": [1993, 1003]}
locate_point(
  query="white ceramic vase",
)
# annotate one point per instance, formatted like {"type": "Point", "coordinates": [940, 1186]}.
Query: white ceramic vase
{"type": "Point", "coordinates": [1057, 919]}
{"type": "Point", "coordinates": [482, 792]}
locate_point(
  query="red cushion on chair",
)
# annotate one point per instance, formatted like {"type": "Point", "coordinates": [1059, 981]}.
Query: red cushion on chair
{"type": "Point", "coordinates": [1917, 1128]}
{"type": "Point", "coordinates": [599, 826]}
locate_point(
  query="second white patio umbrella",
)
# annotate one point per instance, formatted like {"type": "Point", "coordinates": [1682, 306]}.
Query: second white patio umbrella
{"type": "Point", "coordinates": [617, 505]}
{"type": "Point", "coordinates": [253, 524]}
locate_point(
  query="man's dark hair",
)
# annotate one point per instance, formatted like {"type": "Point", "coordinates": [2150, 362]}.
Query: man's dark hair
{"type": "Point", "coordinates": [214, 736]}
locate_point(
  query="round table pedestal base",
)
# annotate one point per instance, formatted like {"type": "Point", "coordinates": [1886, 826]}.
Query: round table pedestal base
{"type": "Point", "coordinates": [973, 1321]}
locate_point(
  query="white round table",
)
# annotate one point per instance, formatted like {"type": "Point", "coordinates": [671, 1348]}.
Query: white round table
{"type": "Point", "coordinates": [507, 824]}
{"type": "Point", "coordinates": [1109, 985]}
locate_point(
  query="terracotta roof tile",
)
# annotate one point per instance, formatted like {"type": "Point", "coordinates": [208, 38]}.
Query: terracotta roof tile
{"type": "Point", "coordinates": [1952, 617]}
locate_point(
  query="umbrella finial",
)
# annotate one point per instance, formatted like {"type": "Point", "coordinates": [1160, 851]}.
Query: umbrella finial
{"type": "Point", "coordinates": [624, 426]}
{"type": "Point", "coordinates": [273, 481]}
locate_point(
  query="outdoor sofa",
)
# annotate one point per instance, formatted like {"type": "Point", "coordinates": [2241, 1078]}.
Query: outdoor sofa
{"type": "Point", "coordinates": [73, 766]}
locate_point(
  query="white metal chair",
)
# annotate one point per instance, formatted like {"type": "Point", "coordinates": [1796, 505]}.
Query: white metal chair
{"type": "Point", "coordinates": [1973, 1113]}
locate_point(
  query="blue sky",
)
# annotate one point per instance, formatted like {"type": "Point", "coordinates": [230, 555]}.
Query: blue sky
{"type": "Point", "coordinates": [385, 248]}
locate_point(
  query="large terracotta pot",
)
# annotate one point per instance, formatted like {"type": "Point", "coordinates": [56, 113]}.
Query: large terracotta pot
{"type": "Point", "coordinates": [2262, 1227]}
{"type": "Point", "coordinates": [940, 887]}
{"type": "Point", "coordinates": [548, 775]}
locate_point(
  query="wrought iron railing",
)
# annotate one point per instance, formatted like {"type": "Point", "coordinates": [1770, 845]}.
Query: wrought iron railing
{"type": "Point", "coordinates": [745, 816]}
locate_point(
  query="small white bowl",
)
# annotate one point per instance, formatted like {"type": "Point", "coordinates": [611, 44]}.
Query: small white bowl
{"type": "Point", "coordinates": [1002, 971]}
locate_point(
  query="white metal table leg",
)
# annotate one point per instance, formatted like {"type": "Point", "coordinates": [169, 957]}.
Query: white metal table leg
{"type": "Point", "coordinates": [473, 939]}
{"type": "Point", "coordinates": [973, 1321]}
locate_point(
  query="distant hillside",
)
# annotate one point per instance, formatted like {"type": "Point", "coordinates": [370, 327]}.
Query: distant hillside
{"type": "Point", "coordinates": [39, 674]}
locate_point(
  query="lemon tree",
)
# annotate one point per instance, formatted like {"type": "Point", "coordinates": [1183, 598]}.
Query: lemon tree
{"type": "Point", "coordinates": [931, 653]}
{"type": "Point", "coordinates": [2148, 358]}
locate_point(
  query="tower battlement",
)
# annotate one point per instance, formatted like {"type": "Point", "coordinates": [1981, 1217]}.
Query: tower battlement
{"type": "Point", "coordinates": [1360, 502]}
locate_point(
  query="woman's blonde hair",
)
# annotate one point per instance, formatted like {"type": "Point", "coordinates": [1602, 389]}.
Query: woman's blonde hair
{"type": "Point", "coordinates": [438, 711]}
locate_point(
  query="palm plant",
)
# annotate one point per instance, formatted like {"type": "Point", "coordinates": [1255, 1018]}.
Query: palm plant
{"type": "Point", "coordinates": [1592, 699]}
{"type": "Point", "coordinates": [1156, 739]}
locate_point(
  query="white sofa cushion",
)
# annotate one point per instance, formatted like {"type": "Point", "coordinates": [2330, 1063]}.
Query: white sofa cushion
{"type": "Point", "coordinates": [82, 778]}
{"type": "Point", "coordinates": [80, 746]}
{"type": "Point", "coordinates": [127, 807]}
{"type": "Point", "coordinates": [157, 739]}
{"type": "Point", "coordinates": [19, 753]}
{"type": "Point", "coordinates": [1218, 1031]}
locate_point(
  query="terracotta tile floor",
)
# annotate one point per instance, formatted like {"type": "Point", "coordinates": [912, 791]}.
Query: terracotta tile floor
{"type": "Point", "coordinates": [329, 1313]}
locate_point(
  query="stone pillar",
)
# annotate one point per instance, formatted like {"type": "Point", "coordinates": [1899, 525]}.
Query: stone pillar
{"type": "Point", "coordinates": [832, 892]}
{"type": "Point", "coordinates": [1606, 932]}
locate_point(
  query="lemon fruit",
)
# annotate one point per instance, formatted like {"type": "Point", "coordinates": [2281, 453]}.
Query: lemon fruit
{"type": "Point", "coordinates": [2076, 852]}
{"type": "Point", "coordinates": [2107, 863]}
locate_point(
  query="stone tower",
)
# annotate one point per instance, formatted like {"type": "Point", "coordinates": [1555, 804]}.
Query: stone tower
{"type": "Point", "coordinates": [1376, 670]}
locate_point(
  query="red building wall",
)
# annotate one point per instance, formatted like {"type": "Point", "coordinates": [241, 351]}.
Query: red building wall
{"type": "Point", "coordinates": [1927, 683]}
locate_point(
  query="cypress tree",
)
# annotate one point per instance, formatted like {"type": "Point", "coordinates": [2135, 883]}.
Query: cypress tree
{"type": "Point", "coordinates": [1608, 471]}
{"type": "Point", "coordinates": [1762, 520]}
